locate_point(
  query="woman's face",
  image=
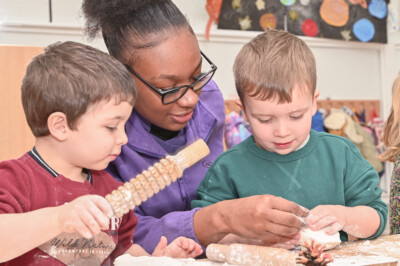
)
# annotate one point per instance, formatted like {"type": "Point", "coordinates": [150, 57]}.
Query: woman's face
{"type": "Point", "coordinates": [174, 62]}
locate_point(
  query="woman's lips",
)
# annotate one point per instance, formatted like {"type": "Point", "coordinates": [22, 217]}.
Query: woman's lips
{"type": "Point", "coordinates": [182, 118]}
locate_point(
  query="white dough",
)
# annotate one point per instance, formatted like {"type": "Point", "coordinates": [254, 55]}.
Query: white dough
{"type": "Point", "coordinates": [147, 260]}
{"type": "Point", "coordinates": [320, 237]}
{"type": "Point", "coordinates": [128, 260]}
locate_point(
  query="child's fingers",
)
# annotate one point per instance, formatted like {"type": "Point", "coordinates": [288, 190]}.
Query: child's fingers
{"type": "Point", "coordinates": [192, 248]}
{"type": "Point", "coordinates": [70, 219]}
{"type": "Point", "coordinates": [90, 223]}
{"type": "Point", "coordinates": [85, 232]}
{"type": "Point", "coordinates": [187, 243]}
{"type": "Point", "coordinates": [93, 216]}
{"type": "Point", "coordinates": [315, 215]}
{"type": "Point", "coordinates": [323, 222]}
{"type": "Point", "coordinates": [163, 242]}
{"type": "Point", "coordinates": [97, 208]}
{"type": "Point", "coordinates": [81, 228]}
{"type": "Point", "coordinates": [184, 243]}
{"type": "Point", "coordinates": [192, 245]}
{"type": "Point", "coordinates": [103, 205]}
{"type": "Point", "coordinates": [333, 228]}
{"type": "Point", "coordinates": [160, 248]}
{"type": "Point", "coordinates": [196, 251]}
{"type": "Point", "coordinates": [87, 215]}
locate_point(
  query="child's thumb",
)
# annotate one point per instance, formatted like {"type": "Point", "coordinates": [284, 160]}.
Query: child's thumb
{"type": "Point", "coordinates": [163, 242]}
{"type": "Point", "coordinates": [159, 250]}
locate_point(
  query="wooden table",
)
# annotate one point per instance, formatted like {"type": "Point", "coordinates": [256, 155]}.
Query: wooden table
{"type": "Point", "coordinates": [375, 252]}
{"type": "Point", "coordinates": [384, 250]}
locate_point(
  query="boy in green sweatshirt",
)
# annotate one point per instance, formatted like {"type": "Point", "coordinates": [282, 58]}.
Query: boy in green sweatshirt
{"type": "Point", "coordinates": [275, 76]}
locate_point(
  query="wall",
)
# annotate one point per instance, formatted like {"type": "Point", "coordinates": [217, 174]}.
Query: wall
{"type": "Point", "coordinates": [346, 70]}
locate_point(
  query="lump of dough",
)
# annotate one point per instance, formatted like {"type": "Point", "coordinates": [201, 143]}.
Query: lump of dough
{"type": "Point", "coordinates": [320, 237]}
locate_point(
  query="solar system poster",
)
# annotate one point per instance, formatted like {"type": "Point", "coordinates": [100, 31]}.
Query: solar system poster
{"type": "Point", "coordinates": [349, 20]}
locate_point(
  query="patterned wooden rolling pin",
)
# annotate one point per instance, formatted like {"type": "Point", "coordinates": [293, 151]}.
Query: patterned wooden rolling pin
{"type": "Point", "coordinates": [155, 178]}
{"type": "Point", "coordinates": [249, 255]}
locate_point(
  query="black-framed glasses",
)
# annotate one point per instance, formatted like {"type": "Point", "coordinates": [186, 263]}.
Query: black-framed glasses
{"type": "Point", "coordinates": [172, 95]}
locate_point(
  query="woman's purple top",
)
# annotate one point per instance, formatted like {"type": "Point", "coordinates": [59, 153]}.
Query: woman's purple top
{"type": "Point", "coordinates": [168, 213]}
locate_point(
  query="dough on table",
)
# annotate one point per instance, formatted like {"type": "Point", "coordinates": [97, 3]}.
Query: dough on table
{"type": "Point", "coordinates": [320, 237]}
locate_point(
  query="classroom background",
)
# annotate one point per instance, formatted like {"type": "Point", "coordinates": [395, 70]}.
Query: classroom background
{"type": "Point", "coordinates": [349, 72]}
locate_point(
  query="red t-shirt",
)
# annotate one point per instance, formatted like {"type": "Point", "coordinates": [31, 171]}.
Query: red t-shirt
{"type": "Point", "coordinates": [25, 185]}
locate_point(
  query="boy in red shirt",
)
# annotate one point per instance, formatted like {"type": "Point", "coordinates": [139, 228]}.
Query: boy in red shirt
{"type": "Point", "coordinates": [77, 100]}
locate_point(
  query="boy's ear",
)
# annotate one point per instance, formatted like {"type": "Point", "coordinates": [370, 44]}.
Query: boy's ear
{"type": "Point", "coordinates": [241, 105]}
{"type": "Point", "coordinates": [315, 106]}
{"type": "Point", "coordinates": [58, 125]}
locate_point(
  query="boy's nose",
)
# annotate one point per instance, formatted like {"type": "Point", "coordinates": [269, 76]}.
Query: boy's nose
{"type": "Point", "coordinates": [122, 138]}
{"type": "Point", "coordinates": [282, 130]}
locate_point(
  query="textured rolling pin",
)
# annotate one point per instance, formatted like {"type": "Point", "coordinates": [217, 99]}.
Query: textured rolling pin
{"type": "Point", "coordinates": [249, 255]}
{"type": "Point", "coordinates": [155, 178]}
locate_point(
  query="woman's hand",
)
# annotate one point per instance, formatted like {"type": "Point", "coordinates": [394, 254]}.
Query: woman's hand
{"type": "Point", "coordinates": [265, 218]}
{"type": "Point", "coordinates": [181, 247]}
{"type": "Point", "coordinates": [268, 218]}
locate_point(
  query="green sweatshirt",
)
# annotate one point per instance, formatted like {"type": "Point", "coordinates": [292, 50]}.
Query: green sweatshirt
{"type": "Point", "coordinates": [328, 170]}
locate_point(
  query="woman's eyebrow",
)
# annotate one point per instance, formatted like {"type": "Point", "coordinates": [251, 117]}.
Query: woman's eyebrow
{"type": "Point", "coordinates": [167, 76]}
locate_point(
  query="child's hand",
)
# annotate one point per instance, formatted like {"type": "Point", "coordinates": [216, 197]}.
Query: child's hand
{"type": "Point", "coordinates": [87, 215]}
{"type": "Point", "coordinates": [181, 247]}
{"type": "Point", "coordinates": [330, 217]}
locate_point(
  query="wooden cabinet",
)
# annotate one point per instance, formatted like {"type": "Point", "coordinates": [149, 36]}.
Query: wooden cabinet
{"type": "Point", "coordinates": [15, 136]}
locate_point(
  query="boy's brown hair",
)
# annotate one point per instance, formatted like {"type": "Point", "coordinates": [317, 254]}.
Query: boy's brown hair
{"type": "Point", "coordinates": [271, 64]}
{"type": "Point", "coordinates": [70, 77]}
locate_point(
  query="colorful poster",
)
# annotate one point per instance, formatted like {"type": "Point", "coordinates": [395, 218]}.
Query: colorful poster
{"type": "Point", "coordinates": [349, 20]}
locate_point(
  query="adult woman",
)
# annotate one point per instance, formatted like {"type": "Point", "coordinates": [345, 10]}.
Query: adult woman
{"type": "Point", "coordinates": [158, 46]}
